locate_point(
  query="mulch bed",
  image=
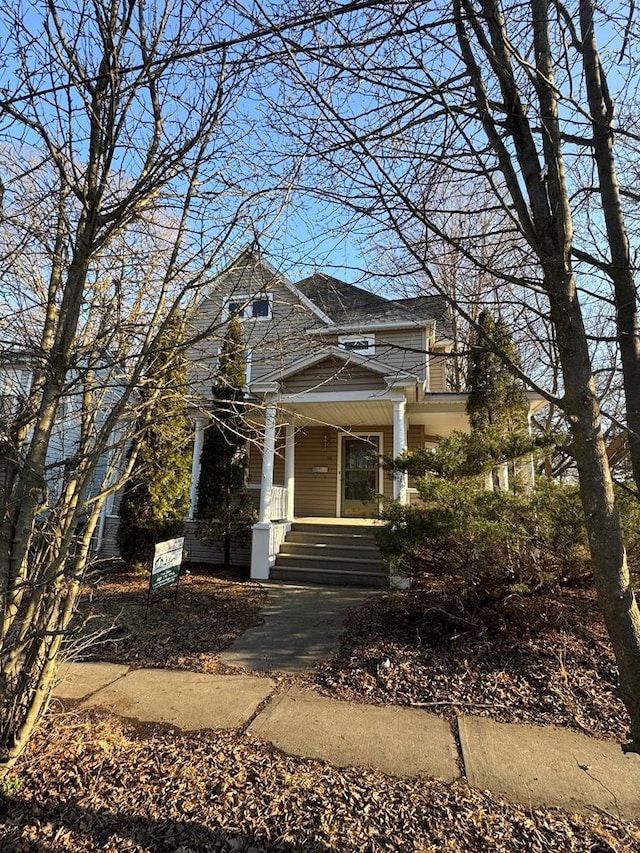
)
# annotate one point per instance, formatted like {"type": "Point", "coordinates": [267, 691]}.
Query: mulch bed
{"type": "Point", "coordinates": [94, 783]}
{"type": "Point", "coordinates": [211, 609]}
{"type": "Point", "coordinates": [541, 658]}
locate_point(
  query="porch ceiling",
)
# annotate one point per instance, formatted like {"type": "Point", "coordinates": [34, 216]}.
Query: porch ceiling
{"type": "Point", "coordinates": [438, 416]}
{"type": "Point", "coordinates": [440, 413]}
{"type": "Point", "coordinates": [353, 413]}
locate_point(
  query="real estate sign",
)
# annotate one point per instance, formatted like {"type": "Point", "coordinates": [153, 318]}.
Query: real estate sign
{"type": "Point", "coordinates": [167, 559]}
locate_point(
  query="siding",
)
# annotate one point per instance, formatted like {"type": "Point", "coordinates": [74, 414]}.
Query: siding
{"type": "Point", "coordinates": [415, 437]}
{"type": "Point", "coordinates": [197, 550]}
{"type": "Point", "coordinates": [334, 375]}
{"type": "Point", "coordinates": [404, 349]}
{"type": "Point", "coordinates": [316, 492]}
{"type": "Point", "coordinates": [437, 374]}
{"type": "Point", "coordinates": [273, 342]}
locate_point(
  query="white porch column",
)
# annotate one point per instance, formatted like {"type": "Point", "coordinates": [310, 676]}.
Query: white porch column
{"type": "Point", "coordinates": [400, 478]}
{"type": "Point", "coordinates": [289, 465]}
{"type": "Point", "coordinates": [198, 443]}
{"type": "Point", "coordinates": [267, 463]}
{"type": "Point", "coordinates": [503, 476]}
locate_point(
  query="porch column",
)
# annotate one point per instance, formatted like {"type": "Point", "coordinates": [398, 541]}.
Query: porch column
{"type": "Point", "coordinates": [400, 478]}
{"type": "Point", "coordinates": [526, 468]}
{"type": "Point", "coordinates": [267, 463]}
{"type": "Point", "coordinates": [503, 476]}
{"type": "Point", "coordinates": [289, 465]}
{"type": "Point", "coordinates": [198, 444]}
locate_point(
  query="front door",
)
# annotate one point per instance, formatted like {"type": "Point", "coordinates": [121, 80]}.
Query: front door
{"type": "Point", "coordinates": [360, 476]}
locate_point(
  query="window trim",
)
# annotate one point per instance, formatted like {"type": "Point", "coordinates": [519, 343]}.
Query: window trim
{"type": "Point", "coordinates": [370, 349]}
{"type": "Point", "coordinates": [247, 301]}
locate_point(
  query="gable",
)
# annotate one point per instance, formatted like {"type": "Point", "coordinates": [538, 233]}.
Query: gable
{"type": "Point", "coordinates": [333, 374]}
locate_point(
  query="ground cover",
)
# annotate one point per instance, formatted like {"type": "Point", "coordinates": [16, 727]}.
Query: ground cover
{"type": "Point", "coordinates": [184, 632]}
{"type": "Point", "coordinates": [539, 657]}
{"type": "Point", "coordinates": [91, 783]}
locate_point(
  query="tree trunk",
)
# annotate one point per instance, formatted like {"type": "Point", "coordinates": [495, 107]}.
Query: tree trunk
{"type": "Point", "coordinates": [608, 556]}
{"type": "Point", "coordinates": [621, 267]}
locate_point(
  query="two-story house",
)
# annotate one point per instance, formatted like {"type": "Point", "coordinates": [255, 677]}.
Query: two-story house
{"type": "Point", "coordinates": [337, 377]}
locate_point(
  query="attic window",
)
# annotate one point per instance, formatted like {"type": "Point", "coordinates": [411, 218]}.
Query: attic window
{"type": "Point", "coordinates": [362, 344]}
{"type": "Point", "coordinates": [250, 308]}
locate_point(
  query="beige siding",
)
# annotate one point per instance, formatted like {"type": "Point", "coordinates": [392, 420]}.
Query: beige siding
{"type": "Point", "coordinates": [415, 437]}
{"type": "Point", "coordinates": [404, 350]}
{"type": "Point", "coordinates": [317, 491]}
{"type": "Point", "coordinates": [334, 375]}
{"type": "Point", "coordinates": [437, 374]}
{"type": "Point", "coordinates": [273, 342]}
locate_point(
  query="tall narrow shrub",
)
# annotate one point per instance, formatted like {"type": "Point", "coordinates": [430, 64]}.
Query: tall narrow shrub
{"type": "Point", "coordinates": [225, 510]}
{"type": "Point", "coordinates": [155, 500]}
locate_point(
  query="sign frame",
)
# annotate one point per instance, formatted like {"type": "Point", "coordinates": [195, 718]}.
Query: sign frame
{"type": "Point", "coordinates": [166, 566]}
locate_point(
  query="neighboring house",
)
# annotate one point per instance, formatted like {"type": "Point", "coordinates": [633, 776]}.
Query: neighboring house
{"type": "Point", "coordinates": [336, 377]}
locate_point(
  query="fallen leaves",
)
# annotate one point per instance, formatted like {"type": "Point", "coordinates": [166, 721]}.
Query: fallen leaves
{"type": "Point", "coordinates": [532, 659]}
{"type": "Point", "coordinates": [212, 791]}
{"type": "Point", "coordinates": [183, 632]}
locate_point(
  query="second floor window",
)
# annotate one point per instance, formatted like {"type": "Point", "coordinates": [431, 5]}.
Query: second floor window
{"type": "Point", "coordinates": [362, 344]}
{"type": "Point", "coordinates": [250, 308]}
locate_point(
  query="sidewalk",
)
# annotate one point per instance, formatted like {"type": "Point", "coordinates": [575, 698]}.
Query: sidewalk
{"type": "Point", "coordinates": [533, 765]}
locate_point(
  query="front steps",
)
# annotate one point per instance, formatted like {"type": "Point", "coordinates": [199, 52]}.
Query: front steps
{"type": "Point", "coordinates": [330, 554]}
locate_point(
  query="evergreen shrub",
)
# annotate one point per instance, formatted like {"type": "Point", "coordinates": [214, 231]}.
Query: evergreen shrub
{"type": "Point", "coordinates": [525, 542]}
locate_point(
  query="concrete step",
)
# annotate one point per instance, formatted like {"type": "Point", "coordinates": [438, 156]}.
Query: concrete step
{"type": "Point", "coordinates": [329, 577]}
{"type": "Point", "coordinates": [330, 550]}
{"type": "Point", "coordinates": [342, 564]}
{"type": "Point", "coordinates": [360, 540]}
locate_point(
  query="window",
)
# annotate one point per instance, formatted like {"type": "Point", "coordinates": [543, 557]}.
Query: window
{"type": "Point", "coordinates": [362, 344]}
{"type": "Point", "coordinates": [250, 308]}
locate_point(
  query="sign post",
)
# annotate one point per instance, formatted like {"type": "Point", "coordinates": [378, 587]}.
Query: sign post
{"type": "Point", "coordinates": [165, 570]}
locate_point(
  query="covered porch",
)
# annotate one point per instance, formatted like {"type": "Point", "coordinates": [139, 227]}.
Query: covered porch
{"type": "Point", "coordinates": [317, 457]}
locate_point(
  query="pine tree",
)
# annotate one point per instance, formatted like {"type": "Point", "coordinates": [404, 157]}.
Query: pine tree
{"type": "Point", "coordinates": [497, 397]}
{"type": "Point", "coordinates": [497, 405]}
{"type": "Point", "coordinates": [155, 500]}
{"type": "Point", "coordinates": [225, 510]}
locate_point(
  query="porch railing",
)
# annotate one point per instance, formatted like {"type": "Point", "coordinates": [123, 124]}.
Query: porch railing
{"type": "Point", "coordinates": [278, 503]}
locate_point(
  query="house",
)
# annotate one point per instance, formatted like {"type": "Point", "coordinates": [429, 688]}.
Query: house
{"type": "Point", "coordinates": [337, 377]}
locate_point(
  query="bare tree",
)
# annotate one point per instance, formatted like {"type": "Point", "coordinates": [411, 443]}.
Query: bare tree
{"type": "Point", "coordinates": [427, 102]}
{"type": "Point", "coordinates": [126, 174]}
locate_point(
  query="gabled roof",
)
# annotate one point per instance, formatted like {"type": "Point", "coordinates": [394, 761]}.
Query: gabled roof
{"type": "Point", "coordinates": [348, 304]}
{"type": "Point", "coordinates": [269, 275]}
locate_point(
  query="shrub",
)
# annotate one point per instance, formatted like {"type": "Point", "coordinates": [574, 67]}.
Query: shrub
{"type": "Point", "coordinates": [523, 541]}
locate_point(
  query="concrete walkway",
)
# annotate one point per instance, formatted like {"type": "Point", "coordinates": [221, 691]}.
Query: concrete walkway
{"type": "Point", "coordinates": [302, 627]}
{"type": "Point", "coordinates": [532, 765]}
